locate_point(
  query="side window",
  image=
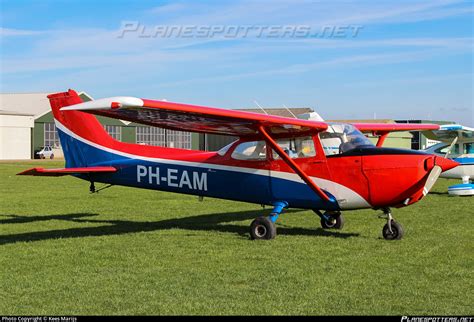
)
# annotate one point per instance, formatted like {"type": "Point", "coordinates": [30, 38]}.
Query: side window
{"type": "Point", "coordinates": [468, 148]}
{"type": "Point", "coordinates": [297, 147]}
{"type": "Point", "coordinates": [255, 150]}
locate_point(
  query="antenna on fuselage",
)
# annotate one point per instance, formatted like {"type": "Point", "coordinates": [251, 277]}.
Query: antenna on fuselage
{"type": "Point", "coordinates": [256, 103]}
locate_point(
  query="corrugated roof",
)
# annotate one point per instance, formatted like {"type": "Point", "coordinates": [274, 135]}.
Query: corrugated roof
{"type": "Point", "coordinates": [36, 104]}
{"type": "Point", "coordinates": [33, 104]}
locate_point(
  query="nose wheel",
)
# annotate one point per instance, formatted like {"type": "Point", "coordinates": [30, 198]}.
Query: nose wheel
{"type": "Point", "coordinates": [395, 231]}
{"type": "Point", "coordinates": [392, 230]}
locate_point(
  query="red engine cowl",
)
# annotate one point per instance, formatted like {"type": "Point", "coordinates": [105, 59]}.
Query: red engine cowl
{"type": "Point", "coordinates": [398, 180]}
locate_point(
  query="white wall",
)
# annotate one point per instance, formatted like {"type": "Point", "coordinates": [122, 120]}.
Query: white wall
{"type": "Point", "coordinates": [15, 137]}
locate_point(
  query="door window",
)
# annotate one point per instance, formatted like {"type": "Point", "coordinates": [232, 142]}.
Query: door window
{"type": "Point", "coordinates": [297, 147]}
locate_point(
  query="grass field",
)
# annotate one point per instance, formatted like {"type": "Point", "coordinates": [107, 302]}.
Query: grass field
{"type": "Point", "coordinates": [141, 252]}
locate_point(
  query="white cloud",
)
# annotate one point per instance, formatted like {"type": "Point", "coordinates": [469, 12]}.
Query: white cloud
{"type": "Point", "coordinates": [9, 32]}
{"type": "Point", "coordinates": [168, 8]}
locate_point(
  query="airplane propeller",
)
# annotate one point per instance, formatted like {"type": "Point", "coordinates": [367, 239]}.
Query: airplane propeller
{"type": "Point", "coordinates": [436, 171]}
{"type": "Point", "coordinates": [451, 147]}
{"type": "Point", "coordinates": [432, 177]}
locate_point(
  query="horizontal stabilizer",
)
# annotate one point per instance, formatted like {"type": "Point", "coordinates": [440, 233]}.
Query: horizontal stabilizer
{"type": "Point", "coordinates": [65, 171]}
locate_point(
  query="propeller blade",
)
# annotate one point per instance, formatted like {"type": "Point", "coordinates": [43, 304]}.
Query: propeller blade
{"type": "Point", "coordinates": [432, 177]}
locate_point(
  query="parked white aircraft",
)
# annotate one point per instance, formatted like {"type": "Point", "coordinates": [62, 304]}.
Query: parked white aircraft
{"type": "Point", "coordinates": [457, 143]}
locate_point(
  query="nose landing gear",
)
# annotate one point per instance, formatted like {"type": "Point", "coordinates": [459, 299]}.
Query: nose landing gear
{"type": "Point", "coordinates": [392, 229]}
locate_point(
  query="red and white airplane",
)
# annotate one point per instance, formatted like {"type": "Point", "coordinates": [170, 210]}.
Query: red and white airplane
{"type": "Point", "coordinates": [276, 161]}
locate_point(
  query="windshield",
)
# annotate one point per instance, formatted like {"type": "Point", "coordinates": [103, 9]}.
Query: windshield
{"type": "Point", "coordinates": [341, 137]}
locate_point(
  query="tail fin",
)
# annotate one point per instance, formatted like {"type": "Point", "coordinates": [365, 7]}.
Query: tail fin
{"type": "Point", "coordinates": [75, 128]}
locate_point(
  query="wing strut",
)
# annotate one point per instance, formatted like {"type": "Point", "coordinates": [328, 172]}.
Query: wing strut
{"type": "Point", "coordinates": [382, 138]}
{"type": "Point", "coordinates": [292, 164]}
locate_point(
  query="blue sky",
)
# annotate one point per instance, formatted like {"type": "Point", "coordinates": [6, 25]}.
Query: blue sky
{"type": "Point", "coordinates": [409, 59]}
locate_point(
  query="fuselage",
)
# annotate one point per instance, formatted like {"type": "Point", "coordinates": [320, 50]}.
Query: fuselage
{"type": "Point", "coordinates": [365, 177]}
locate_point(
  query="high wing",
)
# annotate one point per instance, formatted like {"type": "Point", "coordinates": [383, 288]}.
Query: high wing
{"type": "Point", "coordinates": [383, 129]}
{"type": "Point", "coordinates": [191, 118]}
{"type": "Point", "coordinates": [449, 132]}
{"type": "Point", "coordinates": [65, 171]}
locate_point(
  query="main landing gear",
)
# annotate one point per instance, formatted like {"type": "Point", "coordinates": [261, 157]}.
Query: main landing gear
{"type": "Point", "coordinates": [331, 219]}
{"type": "Point", "coordinates": [264, 227]}
{"type": "Point", "coordinates": [392, 229]}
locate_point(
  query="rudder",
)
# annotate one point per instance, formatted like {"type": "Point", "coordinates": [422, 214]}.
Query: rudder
{"type": "Point", "coordinates": [72, 125]}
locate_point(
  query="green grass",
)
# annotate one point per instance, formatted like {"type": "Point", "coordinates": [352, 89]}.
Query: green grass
{"type": "Point", "coordinates": [131, 251]}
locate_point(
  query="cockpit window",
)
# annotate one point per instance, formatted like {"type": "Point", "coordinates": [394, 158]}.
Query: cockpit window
{"type": "Point", "coordinates": [341, 137]}
{"type": "Point", "coordinates": [254, 150]}
{"type": "Point", "coordinates": [296, 147]}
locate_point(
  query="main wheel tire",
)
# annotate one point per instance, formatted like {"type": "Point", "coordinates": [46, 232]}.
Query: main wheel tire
{"type": "Point", "coordinates": [336, 221]}
{"type": "Point", "coordinates": [397, 231]}
{"type": "Point", "coordinates": [262, 228]}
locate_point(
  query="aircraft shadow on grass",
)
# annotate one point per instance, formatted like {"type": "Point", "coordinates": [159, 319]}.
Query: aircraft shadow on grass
{"type": "Point", "coordinates": [446, 194]}
{"type": "Point", "coordinates": [208, 222]}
